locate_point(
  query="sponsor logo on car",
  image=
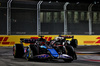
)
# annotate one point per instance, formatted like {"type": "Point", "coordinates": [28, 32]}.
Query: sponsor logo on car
{"type": "Point", "coordinates": [43, 56]}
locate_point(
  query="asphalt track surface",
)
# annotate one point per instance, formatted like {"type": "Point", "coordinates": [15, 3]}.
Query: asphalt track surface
{"type": "Point", "coordinates": [87, 56]}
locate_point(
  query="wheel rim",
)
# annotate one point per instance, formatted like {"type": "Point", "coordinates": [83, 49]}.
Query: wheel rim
{"type": "Point", "coordinates": [14, 50]}
{"type": "Point", "coordinates": [27, 57]}
{"type": "Point", "coordinates": [29, 54]}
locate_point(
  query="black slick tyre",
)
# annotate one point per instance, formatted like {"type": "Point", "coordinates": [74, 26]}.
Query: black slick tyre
{"type": "Point", "coordinates": [31, 52]}
{"type": "Point", "coordinates": [74, 43]}
{"type": "Point", "coordinates": [71, 52]}
{"type": "Point", "coordinates": [18, 50]}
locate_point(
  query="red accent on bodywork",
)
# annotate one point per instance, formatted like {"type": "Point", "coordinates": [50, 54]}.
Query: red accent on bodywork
{"type": "Point", "coordinates": [32, 43]}
{"type": "Point", "coordinates": [43, 42]}
{"type": "Point", "coordinates": [58, 45]}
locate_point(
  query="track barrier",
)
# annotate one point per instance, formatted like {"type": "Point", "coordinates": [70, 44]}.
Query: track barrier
{"type": "Point", "coordinates": [10, 40]}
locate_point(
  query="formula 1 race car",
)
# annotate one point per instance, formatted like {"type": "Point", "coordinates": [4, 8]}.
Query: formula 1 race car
{"type": "Point", "coordinates": [64, 40]}
{"type": "Point", "coordinates": [64, 46]}
{"type": "Point", "coordinates": [40, 49]}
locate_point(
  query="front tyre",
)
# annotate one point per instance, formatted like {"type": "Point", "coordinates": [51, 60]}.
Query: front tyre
{"type": "Point", "coordinates": [31, 52]}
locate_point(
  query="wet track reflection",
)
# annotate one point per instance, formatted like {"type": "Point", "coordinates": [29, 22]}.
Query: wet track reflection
{"type": "Point", "coordinates": [7, 59]}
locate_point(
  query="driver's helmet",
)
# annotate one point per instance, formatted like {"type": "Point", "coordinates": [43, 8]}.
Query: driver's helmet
{"type": "Point", "coordinates": [68, 42]}
{"type": "Point", "coordinates": [58, 38]}
{"type": "Point", "coordinates": [62, 37]}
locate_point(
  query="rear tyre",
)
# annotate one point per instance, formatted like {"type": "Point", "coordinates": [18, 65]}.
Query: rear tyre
{"type": "Point", "coordinates": [31, 52]}
{"type": "Point", "coordinates": [74, 43]}
{"type": "Point", "coordinates": [18, 50]}
{"type": "Point", "coordinates": [71, 52]}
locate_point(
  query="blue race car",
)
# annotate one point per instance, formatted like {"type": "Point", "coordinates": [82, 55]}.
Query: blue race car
{"type": "Point", "coordinates": [39, 49]}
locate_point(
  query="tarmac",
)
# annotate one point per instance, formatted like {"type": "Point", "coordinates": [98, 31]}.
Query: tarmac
{"type": "Point", "coordinates": [79, 49]}
{"type": "Point", "coordinates": [86, 56]}
{"type": "Point", "coordinates": [88, 50]}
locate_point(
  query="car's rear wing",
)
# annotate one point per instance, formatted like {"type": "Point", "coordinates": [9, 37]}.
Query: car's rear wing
{"type": "Point", "coordinates": [68, 36]}
{"type": "Point", "coordinates": [24, 40]}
